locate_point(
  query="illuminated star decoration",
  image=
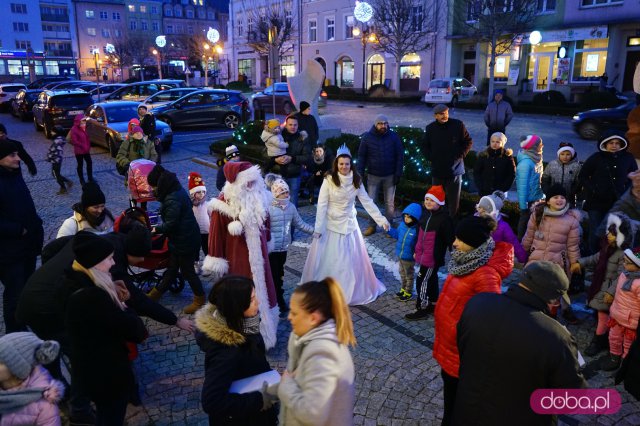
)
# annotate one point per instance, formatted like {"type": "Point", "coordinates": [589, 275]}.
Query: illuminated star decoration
{"type": "Point", "coordinates": [363, 11]}
{"type": "Point", "coordinates": [213, 35]}
{"type": "Point", "coordinates": [161, 41]}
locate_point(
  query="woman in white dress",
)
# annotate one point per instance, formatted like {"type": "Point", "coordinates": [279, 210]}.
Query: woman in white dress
{"type": "Point", "coordinates": [338, 248]}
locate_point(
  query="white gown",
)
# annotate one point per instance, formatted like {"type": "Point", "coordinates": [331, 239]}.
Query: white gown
{"type": "Point", "coordinates": [340, 251]}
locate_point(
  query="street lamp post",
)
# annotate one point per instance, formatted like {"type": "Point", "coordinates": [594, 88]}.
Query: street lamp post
{"type": "Point", "coordinates": [205, 61]}
{"type": "Point", "coordinates": [157, 55]}
{"type": "Point", "coordinates": [366, 36]}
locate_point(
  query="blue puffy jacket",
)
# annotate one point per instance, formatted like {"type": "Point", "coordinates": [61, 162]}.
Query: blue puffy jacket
{"type": "Point", "coordinates": [528, 178]}
{"type": "Point", "coordinates": [281, 221]}
{"type": "Point", "coordinates": [407, 235]}
{"type": "Point", "coordinates": [380, 155]}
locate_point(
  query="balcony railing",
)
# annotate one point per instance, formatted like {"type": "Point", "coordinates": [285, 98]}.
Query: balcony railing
{"type": "Point", "coordinates": [57, 34]}
{"type": "Point", "coordinates": [59, 52]}
{"type": "Point", "coordinates": [50, 17]}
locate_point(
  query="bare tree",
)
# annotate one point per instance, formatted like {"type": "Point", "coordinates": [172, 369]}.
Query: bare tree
{"type": "Point", "coordinates": [270, 29]}
{"type": "Point", "coordinates": [402, 27]}
{"type": "Point", "coordinates": [500, 23]}
{"type": "Point", "coordinates": [133, 48]}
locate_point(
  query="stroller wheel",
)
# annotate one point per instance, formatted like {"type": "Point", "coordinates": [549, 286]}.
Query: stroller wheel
{"type": "Point", "coordinates": [177, 286]}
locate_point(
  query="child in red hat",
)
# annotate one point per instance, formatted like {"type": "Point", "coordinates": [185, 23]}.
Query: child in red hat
{"type": "Point", "coordinates": [198, 193]}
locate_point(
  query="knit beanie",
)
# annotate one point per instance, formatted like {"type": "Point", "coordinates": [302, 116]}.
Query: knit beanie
{"type": "Point", "coordinates": [154, 175]}
{"type": "Point", "coordinates": [196, 183]}
{"type": "Point", "coordinates": [137, 129]}
{"type": "Point", "coordinates": [555, 189]}
{"type": "Point", "coordinates": [567, 146]}
{"type": "Point", "coordinates": [231, 151]}
{"type": "Point", "coordinates": [279, 187]}
{"type": "Point", "coordinates": [475, 230]}
{"type": "Point", "coordinates": [492, 204]}
{"type": "Point", "coordinates": [6, 148]}
{"type": "Point", "coordinates": [530, 142]}
{"type": "Point", "coordinates": [436, 194]}
{"type": "Point", "coordinates": [633, 255]}
{"type": "Point", "coordinates": [272, 124]}
{"type": "Point", "coordinates": [545, 279]}
{"type": "Point", "coordinates": [90, 249]}
{"type": "Point", "coordinates": [92, 195]}
{"type": "Point", "coordinates": [138, 241]}
{"type": "Point", "coordinates": [304, 105]}
{"type": "Point", "coordinates": [21, 351]}
{"type": "Point", "coordinates": [380, 118]}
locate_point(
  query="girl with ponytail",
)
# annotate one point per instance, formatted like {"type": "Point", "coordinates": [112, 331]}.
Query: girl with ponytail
{"type": "Point", "coordinates": [318, 386]}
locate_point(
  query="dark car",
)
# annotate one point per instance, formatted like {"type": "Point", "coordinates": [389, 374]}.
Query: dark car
{"type": "Point", "coordinates": [205, 108]}
{"type": "Point", "coordinates": [592, 124]}
{"type": "Point", "coordinates": [109, 121]}
{"type": "Point", "coordinates": [87, 86]}
{"type": "Point", "coordinates": [41, 82]}
{"type": "Point", "coordinates": [142, 90]}
{"type": "Point", "coordinates": [22, 104]}
{"type": "Point", "coordinates": [284, 104]}
{"type": "Point", "coordinates": [59, 107]}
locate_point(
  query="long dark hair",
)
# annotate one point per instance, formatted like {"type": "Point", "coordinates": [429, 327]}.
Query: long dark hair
{"type": "Point", "coordinates": [231, 294]}
{"type": "Point", "coordinates": [357, 180]}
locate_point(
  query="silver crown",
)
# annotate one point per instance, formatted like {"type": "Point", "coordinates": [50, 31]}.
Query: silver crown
{"type": "Point", "coordinates": [343, 150]}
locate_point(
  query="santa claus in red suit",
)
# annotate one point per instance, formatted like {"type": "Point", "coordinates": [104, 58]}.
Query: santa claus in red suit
{"type": "Point", "coordinates": [238, 238]}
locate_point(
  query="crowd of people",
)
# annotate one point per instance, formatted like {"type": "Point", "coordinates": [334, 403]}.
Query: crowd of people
{"type": "Point", "coordinates": [82, 301]}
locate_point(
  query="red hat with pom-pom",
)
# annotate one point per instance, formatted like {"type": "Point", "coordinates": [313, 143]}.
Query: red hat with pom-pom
{"type": "Point", "coordinates": [196, 183]}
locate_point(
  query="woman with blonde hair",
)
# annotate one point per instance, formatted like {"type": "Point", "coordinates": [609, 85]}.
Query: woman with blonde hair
{"type": "Point", "coordinates": [100, 324]}
{"type": "Point", "coordinates": [317, 387]}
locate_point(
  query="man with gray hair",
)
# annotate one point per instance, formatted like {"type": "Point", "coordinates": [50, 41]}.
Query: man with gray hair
{"type": "Point", "coordinates": [381, 155]}
{"type": "Point", "coordinates": [496, 329]}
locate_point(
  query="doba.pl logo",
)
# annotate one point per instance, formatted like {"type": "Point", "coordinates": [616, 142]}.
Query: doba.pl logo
{"type": "Point", "coordinates": [575, 401]}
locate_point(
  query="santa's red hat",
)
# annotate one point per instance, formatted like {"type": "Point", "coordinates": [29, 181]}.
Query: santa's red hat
{"type": "Point", "coordinates": [436, 194]}
{"type": "Point", "coordinates": [233, 169]}
{"type": "Point", "coordinates": [196, 183]}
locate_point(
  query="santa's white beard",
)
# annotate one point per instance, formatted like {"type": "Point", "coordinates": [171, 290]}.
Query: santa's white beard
{"type": "Point", "coordinates": [252, 204]}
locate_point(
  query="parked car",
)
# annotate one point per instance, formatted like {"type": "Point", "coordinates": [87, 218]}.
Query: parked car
{"type": "Point", "coordinates": [59, 107]}
{"type": "Point", "coordinates": [205, 108]}
{"type": "Point", "coordinates": [22, 104]}
{"type": "Point", "coordinates": [109, 121]}
{"type": "Point", "coordinates": [8, 91]}
{"type": "Point", "coordinates": [591, 124]}
{"type": "Point", "coordinates": [87, 86]}
{"type": "Point", "coordinates": [105, 90]}
{"type": "Point", "coordinates": [165, 97]}
{"type": "Point", "coordinates": [449, 90]}
{"type": "Point", "coordinates": [284, 104]}
{"type": "Point", "coordinates": [142, 90]}
{"type": "Point", "coordinates": [41, 82]}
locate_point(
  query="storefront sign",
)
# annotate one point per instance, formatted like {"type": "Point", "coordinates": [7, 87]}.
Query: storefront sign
{"type": "Point", "coordinates": [20, 54]}
{"type": "Point", "coordinates": [572, 34]}
{"type": "Point", "coordinates": [564, 65]}
{"type": "Point", "coordinates": [514, 72]}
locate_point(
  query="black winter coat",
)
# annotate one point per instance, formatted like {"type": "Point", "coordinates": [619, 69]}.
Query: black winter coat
{"type": "Point", "coordinates": [446, 145]}
{"type": "Point", "coordinates": [98, 331]}
{"type": "Point", "coordinates": [603, 178]}
{"type": "Point", "coordinates": [25, 157]}
{"type": "Point", "coordinates": [230, 356]}
{"type": "Point", "coordinates": [494, 170]}
{"type": "Point", "coordinates": [510, 347]}
{"type": "Point", "coordinates": [44, 297]}
{"type": "Point", "coordinates": [178, 222]}
{"type": "Point", "coordinates": [309, 124]}
{"type": "Point", "coordinates": [380, 155]}
{"type": "Point", "coordinates": [300, 152]}
{"type": "Point", "coordinates": [17, 213]}
{"type": "Point", "coordinates": [148, 125]}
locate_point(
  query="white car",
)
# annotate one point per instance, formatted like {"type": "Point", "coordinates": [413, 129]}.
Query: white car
{"type": "Point", "coordinates": [449, 90]}
{"type": "Point", "coordinates": [165, 97]}
{"type": "Point", "coordinates": [8, 91]}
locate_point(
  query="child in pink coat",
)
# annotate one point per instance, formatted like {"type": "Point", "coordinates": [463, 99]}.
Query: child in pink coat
{"type": "Point", "coordinates": [28, 394]}
{"type": "Point", "coordinates": [624, 312]}
{"type": "Point", "coordinates": [81, 147]}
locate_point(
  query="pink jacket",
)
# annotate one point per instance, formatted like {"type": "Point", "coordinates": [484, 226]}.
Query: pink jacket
{"type": "Point", "coordinates": [43, 412]}
{"type": "Point", "coordinates": [79, 137]}
{"type": "Point", "coordinates": [625, 308]}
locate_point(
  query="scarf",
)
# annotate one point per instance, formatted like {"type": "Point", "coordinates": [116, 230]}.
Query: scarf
{"type": "Point", "coordinates": [549, 212]}
{"type": "Point", "coordinates": [250, 325]}
{"type": "Point", "coordinates": [13, 400]}
{"type": "Point", "coordinates": [318, 160]}
{"type": "Point", "coordinates": [463, 263]}
{"type": "Point", "coordinates": [281, 203]}
{"type": "Point", "coordinates": [629, 276]}
{"type": "Point", "coordinates": [536, 156]}
{"type": "Point", "coordinates": [138, 146]}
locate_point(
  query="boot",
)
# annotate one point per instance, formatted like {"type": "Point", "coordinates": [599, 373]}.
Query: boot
{"type": "Point", "coordinates": [198, 302]}
{"type": "Point", "coordinates": [599, 343]}
{"type": "Point", "coordinates": [154, 294]}
{"type": "Point", "coordinates": [569, 316]}
{"type": "Point", "coordinates": [369, 231]}
{"type": "Point", "coordinates": [610, 362]}
{"type": "Point", "coordinates": [420, 314]}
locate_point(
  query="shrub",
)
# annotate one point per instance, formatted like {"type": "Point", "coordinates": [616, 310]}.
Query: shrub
{"type": "Point", "coordinates": [550, 98]}
{"type": "Point", "coordinates": [239, 85]}
{"type": "Point", "coordinates": [379, 91]}
{"type": "Point", "coordinates": [249, 133]}
{"type": "Point", "coordinates": [332, 90]}
{"type": "Point", "coordinates": [593, 100]}
{"type": "Point", "coordinates": [348, 91]}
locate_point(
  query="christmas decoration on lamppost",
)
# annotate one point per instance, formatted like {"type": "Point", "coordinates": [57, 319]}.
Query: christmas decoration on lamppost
{"type": "Point", "coordinates": [363, 12]}
{"type": "Point", "coordinates": [157, 55]}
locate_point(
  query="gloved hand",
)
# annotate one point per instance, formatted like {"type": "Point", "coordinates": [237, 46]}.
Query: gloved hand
{"type": "Point", "coordinates": [268, 399]}
{"type": "Point", "coordinates": [607, 298]}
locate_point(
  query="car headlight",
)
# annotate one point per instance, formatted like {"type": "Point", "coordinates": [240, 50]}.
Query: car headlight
{"type": "Point", "coordinates": [576, 117]}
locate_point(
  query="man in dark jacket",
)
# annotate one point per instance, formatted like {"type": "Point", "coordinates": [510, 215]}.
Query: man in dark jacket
{"type": "Point", "coordinates": [148, 124]}
{"type": "Point", "coordinates": [381, 155]}
{"type": "Point", "coordinates": [497, 115]}
{"type": "Point", "coordinates": [298, 155]}
{"type": "Point", "coordinates": [179, 225]}
{"type": "Point", "coordinates": [307, 122]}
{"type": "Point", "coordinates": [495, 330]}
{"type": "Point", "coordinates": [22, 153]}
{"type": "Point", "coordinates": [21, 233]}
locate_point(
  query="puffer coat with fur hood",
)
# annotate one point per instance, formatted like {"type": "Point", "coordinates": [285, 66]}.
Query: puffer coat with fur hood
{"type": "Point", "coordinates": [495, 169]}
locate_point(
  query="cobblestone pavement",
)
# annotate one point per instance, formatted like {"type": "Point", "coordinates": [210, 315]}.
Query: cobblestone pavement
{"type": "Point", "coordinates": [397, 380]}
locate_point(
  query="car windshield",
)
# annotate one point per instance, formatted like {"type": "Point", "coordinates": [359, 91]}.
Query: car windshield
{"type": "Point", "coordinates": [120, 113]}
{"type": "Point", "coordinates": [282, 87]}
{"type": "Point", "coordinates": [439, 84]}
{"type": "Point", "coordinates": [66, 101]}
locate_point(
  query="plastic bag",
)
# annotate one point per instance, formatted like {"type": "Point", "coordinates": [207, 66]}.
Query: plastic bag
{"type": "Point", "coordinates": [138, 185]}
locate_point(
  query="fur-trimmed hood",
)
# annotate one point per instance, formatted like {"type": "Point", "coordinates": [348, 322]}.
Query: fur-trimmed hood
{"type": "Point", "coordinates": [625, 229]}
{"type": "Point", "coordinates": [214, 330]}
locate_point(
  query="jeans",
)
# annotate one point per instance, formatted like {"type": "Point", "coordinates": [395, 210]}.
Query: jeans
{"type": "Point", "coordinates": [389, 192]}
{"type": "Point", "coordinates": [13, 277]}
{"type": "Point", "coordinates": [184, 264]}
{"type": "Point", "coordinates": [87, 159]}
{"type": "Point", "coordinates": [452, 187]}
{"type": "Point", "coordinates": [449, 393]}
{"type": "Point", "coordinates": [294, 189]}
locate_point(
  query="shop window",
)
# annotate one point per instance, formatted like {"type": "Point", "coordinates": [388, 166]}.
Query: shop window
{"type": "Point", "coordinates": [633, 41]}
{"type": "Point", "coordinates": [287, 66]}
{"type": "Point", "coordinates": [501, 70]}
{"type": "Point", "coordinates": [410, 66]}
{"type": "Point", "coordinates": [15, 67]}
{"type": "Point", "coordinates": [590, 60]}
{"type": "Point", "coordinates": [3, 68]}
{"type": "Point", "coordinates": [245, 69]}
{"type": "Point", "coordinates": [345, 71]}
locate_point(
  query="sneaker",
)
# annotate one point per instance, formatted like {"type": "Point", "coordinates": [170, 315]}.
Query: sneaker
{"type": "Point", "coordinates": [431, 308]}
{"type": "Point", "coordinates": [420, 314]}
{"type": "Point", "coordinates": [400, 293]}
{"type": "Point", "coordinates": [369, 231]}
{"type": "Point", "coordinates": [405, 297]}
